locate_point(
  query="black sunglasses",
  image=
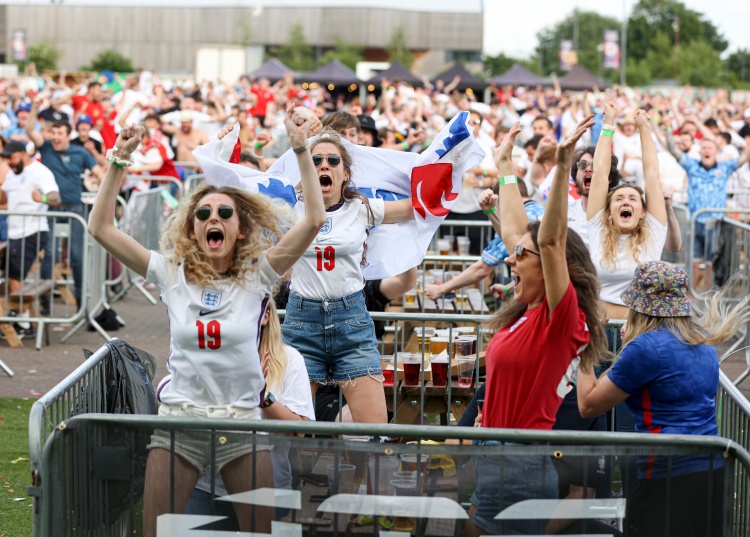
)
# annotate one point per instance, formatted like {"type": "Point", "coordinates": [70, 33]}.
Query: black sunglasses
{"type": "Point", "coordinates": [519, 251]}
{"type": "Point", "coordinates": [204, 213]}
{"type": "Point", "coordinates": [333, 160]}
{"type": "Point", "coordinates": [583, 164]}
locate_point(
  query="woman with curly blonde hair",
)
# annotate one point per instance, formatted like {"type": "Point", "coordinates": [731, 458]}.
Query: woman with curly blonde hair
{"type": "Point", "coordinates": [222, 253]}
{"type": "Point", "coordinates": [623, 230]}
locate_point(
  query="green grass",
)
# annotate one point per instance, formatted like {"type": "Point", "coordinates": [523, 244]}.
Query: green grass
{"type": "Point", "coordinates": [15, 517]}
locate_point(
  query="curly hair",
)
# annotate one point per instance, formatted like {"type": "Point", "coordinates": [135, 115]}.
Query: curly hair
{"type": "Point", "coordinates": [348, 190]}
{"type": "Point", "coordinates": [261, 221]}
{"type": "Point", "coordinates": [611, 235]}
{"type": "Point", "coordinates": [586, 284]}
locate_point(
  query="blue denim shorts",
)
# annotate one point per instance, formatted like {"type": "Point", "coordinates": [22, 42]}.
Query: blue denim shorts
{"type": "Point", "coordinates": [503, 480]}
{"type": "Point", "coordinates": [336, 337]}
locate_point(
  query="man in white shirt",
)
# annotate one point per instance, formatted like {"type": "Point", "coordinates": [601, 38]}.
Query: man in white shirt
{"type": "Point", "coordinates": [29, 187]}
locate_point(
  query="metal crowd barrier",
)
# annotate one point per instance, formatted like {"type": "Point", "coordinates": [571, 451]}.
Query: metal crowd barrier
{"type": "Point", "coordinates": [115, 272]}
{"type": "Point", "coordinates": [173, 185]}
{"type": "Point", "coordinates": [457, 228]}
{"type": "Point", "coordinates": [681, 258]}
{"type": "Point", "coordinates": [192, 182]}
{"type": "Point", "coordinates": [146, 215]}
{"type": "Point", "coordinates": [36, 287]}
{"type": "Point", "coordinates": [93, 476]}
{"type": "Point", "coordinates": [444, 268]}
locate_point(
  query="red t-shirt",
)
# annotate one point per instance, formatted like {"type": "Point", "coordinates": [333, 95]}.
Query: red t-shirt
{"type": "Point", "coordinates": [109, 136]}
{"type": "Point", "coordinates": [82, 105]}
{"type": "Point", "coordinates": [530, 364]}
{"type": "Point", "coordinates": [264, 96]}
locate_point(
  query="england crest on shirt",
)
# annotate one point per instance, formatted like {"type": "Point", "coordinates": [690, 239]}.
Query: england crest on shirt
{"type": "Point", "coordinates": [326, 227]}
{"type": "Point", "coordinates": [211, 299]}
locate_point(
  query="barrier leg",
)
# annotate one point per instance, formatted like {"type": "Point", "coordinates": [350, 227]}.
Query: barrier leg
{"type": "Point", "coordinates": [7, 369]}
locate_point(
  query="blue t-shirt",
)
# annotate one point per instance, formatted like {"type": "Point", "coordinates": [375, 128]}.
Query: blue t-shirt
{"type": "Point", "coordinates": [672, 387]}
{"type": "Point", "coordinates": [496, 252]}
{"type": "Point", "coordinates": [68, 166]}
{"type": "Point", "coordinates": [707, 188]}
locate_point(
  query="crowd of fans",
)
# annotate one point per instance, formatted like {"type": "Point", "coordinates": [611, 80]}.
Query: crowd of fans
{"type": "Point", "coordinates": [578, 187]}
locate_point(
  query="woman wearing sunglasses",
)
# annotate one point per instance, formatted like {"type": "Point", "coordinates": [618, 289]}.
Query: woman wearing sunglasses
{"type": "Point", "coordinates": [623, 230]}
{"type": "Point", "coordinates": [326, 318]}
{"type": "Point", "coordinates": [550, 328]}
{"type": "Point", "coordinates": [223, 252]}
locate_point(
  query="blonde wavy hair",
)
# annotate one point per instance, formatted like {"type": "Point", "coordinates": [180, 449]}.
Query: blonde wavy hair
{"type": "Point", "coordinates": [271, 343]}
{"type": "Point", "coordinates": [260, 220]}
{"type": "Point", "coordinates": [611, 235]}
{"type": "Point", "coordinates": [714, 323]}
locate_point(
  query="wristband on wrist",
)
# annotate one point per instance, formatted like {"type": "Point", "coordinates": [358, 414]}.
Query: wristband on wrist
{"type": "Point", "coordinates": [486, 172]}
{"type": "Point", "coordinates": [119, 162]}
{"type": "Point", "coordinates": [490, 211]}
{"type": "Point", "coordinates": [44, 199]}
{"type": "Point", "coordinates": [258, 145]}
{"type": "Point", "coordinates": [300, 150]}
{"type": "Point", "coordinates": [506, 290]}
{"type": "Point", "coordinates": [608, 127]}
{"type": "Point", "coordinates": [508, 180]}
{"type": "Point", "coordinates": [405, 144]}
{"type": "Point", "coordinates": [608, 133]}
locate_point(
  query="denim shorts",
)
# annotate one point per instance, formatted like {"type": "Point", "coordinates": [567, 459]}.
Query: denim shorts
{"type": "Point", "coordinates": [503, 480]}
{"type": "Point", "coordinates": [336, 337]}
{"type": "Point", "coordinates": [194, 445]}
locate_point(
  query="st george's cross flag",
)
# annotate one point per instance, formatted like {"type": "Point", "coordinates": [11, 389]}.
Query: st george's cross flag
{"type": "Point", "coordinates": [431, 179]}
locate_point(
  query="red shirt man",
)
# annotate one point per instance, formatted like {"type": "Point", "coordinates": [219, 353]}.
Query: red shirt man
{"type": "Point", "coordinates": [90, 104]}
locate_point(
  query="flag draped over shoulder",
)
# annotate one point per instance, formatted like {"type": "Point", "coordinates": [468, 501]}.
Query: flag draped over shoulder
{"type": "Point", "coordinates": [431, 179]}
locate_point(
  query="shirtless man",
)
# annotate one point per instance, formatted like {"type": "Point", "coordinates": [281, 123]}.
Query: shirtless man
{"type": "Point", "coordinates": [186, 137]}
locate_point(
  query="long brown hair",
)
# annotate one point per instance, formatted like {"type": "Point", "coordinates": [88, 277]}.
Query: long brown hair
{"type": "Point", "coordinates": [583, 276]}
{"type": "Point", "coordinates": [271, 343]}
{"type": "Point", "coordinates": [260, 221]}
{"type": "Point", "coordinates": [610, 239]}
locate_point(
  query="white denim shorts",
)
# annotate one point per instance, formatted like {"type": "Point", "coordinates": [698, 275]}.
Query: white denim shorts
{"type": "Point", "coordinates": [195, 446]}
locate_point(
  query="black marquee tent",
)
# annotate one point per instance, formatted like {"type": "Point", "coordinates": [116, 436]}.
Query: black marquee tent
{"type": "Point", "coordinates": [272, 69]}
{"type": "Point", "coordinates": [518, 75]}
{"type": "Point", "coordinates": [467, 79]}
{"type": "Point", "coordinates": [579, 78]}
{"type": "Point", "coordinates": [334, 72]}
{"type": "Point", "coordinates": [396, 71]}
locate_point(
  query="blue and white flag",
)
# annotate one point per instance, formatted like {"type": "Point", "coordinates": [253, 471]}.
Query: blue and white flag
{"type": "Point", "coordinates": [432, 179]}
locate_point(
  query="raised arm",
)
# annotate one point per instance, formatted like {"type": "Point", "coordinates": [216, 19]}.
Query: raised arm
{"type": "Point", "coordinates": [102, 218]}
{"type": "Point", "coordinates": [512, 214]}
{"type": "Point", "coordinates": [654, 194]}
{"type": "Point", "coordinates": [31, 132]}
{"type": "Point", "coordinates": [602, 165]}
{"type": "Point", "coordinates": [553, 231]}
{"type": "Point", "coordinates": [291, 247]}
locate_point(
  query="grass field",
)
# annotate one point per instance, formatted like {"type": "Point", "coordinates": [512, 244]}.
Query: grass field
{"type": "Point", "coordinates": [15, 516]}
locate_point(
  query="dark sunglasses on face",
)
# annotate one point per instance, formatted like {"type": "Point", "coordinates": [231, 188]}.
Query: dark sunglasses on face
{"type": "Point", "coordinates": [583, 164]}
{"type": "Point", "coordinates": [333, 160]}
{"type": "Point", "coordinates": [204, 213]}
{"type": "Point", "coordinates": [519, 251]}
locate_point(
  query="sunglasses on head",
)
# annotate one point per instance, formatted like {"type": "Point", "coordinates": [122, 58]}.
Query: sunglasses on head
{"type": "Point", "coordinates": [204, 213]}
{"type": "Point", "coordinates": [519, 250]}
{"type": "Point", "coordinates": [333, 160]}
{"type": "Point", "coordinates": [583, 164]}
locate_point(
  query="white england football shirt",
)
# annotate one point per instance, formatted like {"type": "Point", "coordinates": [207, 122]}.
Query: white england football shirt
{"type": "Point", "coordinates": [331, 267]}
{"type": "Point", "coordinates": [214, 336]}
{"type": "Point", "coordinates": [19, 188]}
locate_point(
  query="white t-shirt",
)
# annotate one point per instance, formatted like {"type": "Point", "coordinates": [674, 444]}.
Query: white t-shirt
{"type": "Point", "coordinates": [295, 394]}
{"type": "Point", "coordinates": [614, 283]}
{"type": "Point", "coordinates": [331, 267]}
{"type": "Point", "coordinates": [577, 220]}
{"type": "Point", "coordinates": [18, 188]}
{"type": "Point", "coordinates": [214, 336]}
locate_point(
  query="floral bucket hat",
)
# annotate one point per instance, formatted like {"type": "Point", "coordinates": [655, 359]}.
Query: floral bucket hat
{"type": "Point", "coordinates": [659, 289]}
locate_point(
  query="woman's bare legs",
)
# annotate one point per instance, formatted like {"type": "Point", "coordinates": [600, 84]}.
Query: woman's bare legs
{"type": "Point", "coordinates": [158, 493]}
{"type": "Point", "coordinates": [238, 477]}
{"type": "Point", "coordinates": [366, 400]}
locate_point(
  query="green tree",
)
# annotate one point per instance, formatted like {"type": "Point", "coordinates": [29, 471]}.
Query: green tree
{"type": "Point", "coordinates": [591, 26]}
{"type": "Point", "coordinates": [497, 65]}
{"type": "Point", "coordinates": [660, 59]}
{"type": "Point", "coordinates": [44, 55]}
{"type": "Point", "coordinates": [349, 55]}
{"type": "Point", "coordinates": [111, 60]}
{"type": "Point", "coordinates": [297, 53]}
{"type": "Point", "coordinates": [738, 64]}
{"type": "Point", "coordinates": [700, 64]}
{"type": "Point", "coordinates": [637, 72]}
{"type": "Point", "coordinates": [398, 50]}
{"type": "Point", "coordinates": [649, 18]}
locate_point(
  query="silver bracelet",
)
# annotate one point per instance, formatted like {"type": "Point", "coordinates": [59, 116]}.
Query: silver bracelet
{"type": "Point", "coordinates": [606, 127]}
{"type": "Point", "coordinates": [112, 158]}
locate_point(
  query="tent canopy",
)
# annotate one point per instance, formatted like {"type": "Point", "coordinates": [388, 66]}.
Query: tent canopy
{"type": "Point", "coordinates": [334, 72]}
{"type": "Point", "coordinates": [272, 69]}
{"type": "Point", "coordinates": [396, 71]}
{"type": "Point", "coordinates": [579, 78]}
{"type": "Point", "coordinates": [467, 79]}
{"type": "Point", "coordinates": [518, 75]}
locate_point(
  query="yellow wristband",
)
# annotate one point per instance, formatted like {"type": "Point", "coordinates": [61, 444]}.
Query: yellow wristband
{"type": "Point", "coordinates": [508, 180]}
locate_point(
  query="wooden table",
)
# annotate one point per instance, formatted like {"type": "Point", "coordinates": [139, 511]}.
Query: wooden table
{"type": "Point", "coordinates": [408, 405]}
